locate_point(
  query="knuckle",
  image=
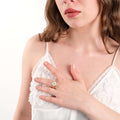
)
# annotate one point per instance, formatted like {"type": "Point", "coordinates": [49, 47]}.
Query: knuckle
{"type": "Point", "coordinates": [47, 89]}
{"type": "Point", "coordinates": [50, 98]}
{"type": "Point", "coordinates": [50, 83]}
{"type": "Point", "coordinates": [46, 82]}
{"type": "Point", "coordinates": [40, 87]}
{"type": "Point", "coordinates": [43, 88]}
{"type": "Point", "coordinates": [50, 90]}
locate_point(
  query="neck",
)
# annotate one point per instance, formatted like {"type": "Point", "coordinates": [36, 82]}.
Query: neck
{"type": "Point", "coordinates": [87, 39]}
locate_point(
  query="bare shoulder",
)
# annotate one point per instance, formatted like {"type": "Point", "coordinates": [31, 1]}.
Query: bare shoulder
{"type": "Point", "coordinates": [34, 49]}
{"type": "Point", "coordinates": [34, 43]}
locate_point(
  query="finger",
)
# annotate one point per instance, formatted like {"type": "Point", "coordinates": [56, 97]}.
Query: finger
{"type": "Point", "coordinates": [47, 90]}
{"type": "Point", "coordinates": [75, 72]}
{"type": "Point", "coordinates": [50, 99]}
{"type": "Point", "coordinates": [54, 71]}
{"type": "Point", "coordinates": [47, 82]}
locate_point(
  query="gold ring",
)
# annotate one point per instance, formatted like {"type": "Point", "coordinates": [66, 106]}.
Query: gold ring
{"type": "Point", "coordinates": [54, 84]}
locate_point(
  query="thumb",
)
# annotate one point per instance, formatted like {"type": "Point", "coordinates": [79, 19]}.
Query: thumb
{"type": "Point", "coordinates": [75, 72]}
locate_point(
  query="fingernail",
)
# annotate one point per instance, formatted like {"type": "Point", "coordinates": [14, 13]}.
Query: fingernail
{"type": "Point", "coordinates": [46, 63]}
{"type": "Point", "coordinates": [74, 66]}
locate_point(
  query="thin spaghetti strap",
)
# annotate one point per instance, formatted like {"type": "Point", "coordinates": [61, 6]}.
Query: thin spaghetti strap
{"type": "Point", "coordinates": [115, 56]}
{"type": "Point", "coordinates": [46, 47]}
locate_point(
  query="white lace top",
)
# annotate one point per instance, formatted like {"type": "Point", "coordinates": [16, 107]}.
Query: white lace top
{"type": "Point", "coordinates": [106, 89]}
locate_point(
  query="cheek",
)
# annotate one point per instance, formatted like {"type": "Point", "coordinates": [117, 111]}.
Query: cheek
{"type": "Point", "coordinates": [59, 5]}
{"type": "Point", "coordinates": [91, 10]}
{"type": "Point", "coordinates": [92, 7]}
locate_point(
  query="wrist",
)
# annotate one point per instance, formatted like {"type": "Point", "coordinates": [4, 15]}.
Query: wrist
{"type": "Point", "coordinates": [87, 106]}
{"type": "Point", "coordinates": [95, 110]}
{"type": "Point", "coordinates": [90, 108]}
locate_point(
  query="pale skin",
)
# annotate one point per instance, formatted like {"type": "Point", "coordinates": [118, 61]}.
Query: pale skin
{"type": "Point", "coordinates": [73, 94]}
{"type": "Point", "coordinates": [84, 41]}
{"type": "Point", "coordinates": [85, 38]}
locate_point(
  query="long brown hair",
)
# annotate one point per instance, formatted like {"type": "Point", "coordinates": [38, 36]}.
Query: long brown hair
{"type": "Point", "coordinates": [110, 22]}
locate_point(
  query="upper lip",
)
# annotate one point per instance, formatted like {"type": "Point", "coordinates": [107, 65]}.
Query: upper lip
{"type": "Point", "coordinates": [70, 10]}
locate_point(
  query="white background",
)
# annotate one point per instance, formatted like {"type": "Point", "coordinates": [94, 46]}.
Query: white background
{"type": "Point", "coordinates": [19, 20]}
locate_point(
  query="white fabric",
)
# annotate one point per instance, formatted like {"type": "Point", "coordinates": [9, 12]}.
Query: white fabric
{"type": "Point", "coordinates": [106, 89]}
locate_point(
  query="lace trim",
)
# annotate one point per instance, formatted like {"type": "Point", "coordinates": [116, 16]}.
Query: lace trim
{"type": "Point", "coordinates": [105, 89]}
{"type": "Point", "coordinates": [41, 71]}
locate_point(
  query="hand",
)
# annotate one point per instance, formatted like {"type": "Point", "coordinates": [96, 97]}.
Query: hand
{"type": "Point", "coordinates": [69, 93]}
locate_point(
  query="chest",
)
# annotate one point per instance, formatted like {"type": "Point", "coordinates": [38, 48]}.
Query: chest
{"type": "Point", "coordinates": [91, 68]}
{"type": "Point", "coordinates": [106, 91]}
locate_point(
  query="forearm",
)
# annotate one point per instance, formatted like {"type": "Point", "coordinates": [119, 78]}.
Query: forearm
{"type": "Point", "coordinates": [21, 116]}
{"type": "Point", "coordinates": [95, 110]}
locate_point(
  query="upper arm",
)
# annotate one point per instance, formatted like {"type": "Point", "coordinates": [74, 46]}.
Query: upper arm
{"type": "Point", "coordinates": [30, 51]}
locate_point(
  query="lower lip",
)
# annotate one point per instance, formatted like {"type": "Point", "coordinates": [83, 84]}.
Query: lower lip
{"type": "Point", "coordinates": [73, 14]}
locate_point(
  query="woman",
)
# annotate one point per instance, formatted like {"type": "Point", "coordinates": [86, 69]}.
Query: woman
{"type": "Point", "coordinates": [83, 82]}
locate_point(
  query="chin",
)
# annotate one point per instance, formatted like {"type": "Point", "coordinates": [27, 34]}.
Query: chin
{"type": "Point", "coordinates": [79, 24]}
{"type": "Point", "coordinates": [75, 26]}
